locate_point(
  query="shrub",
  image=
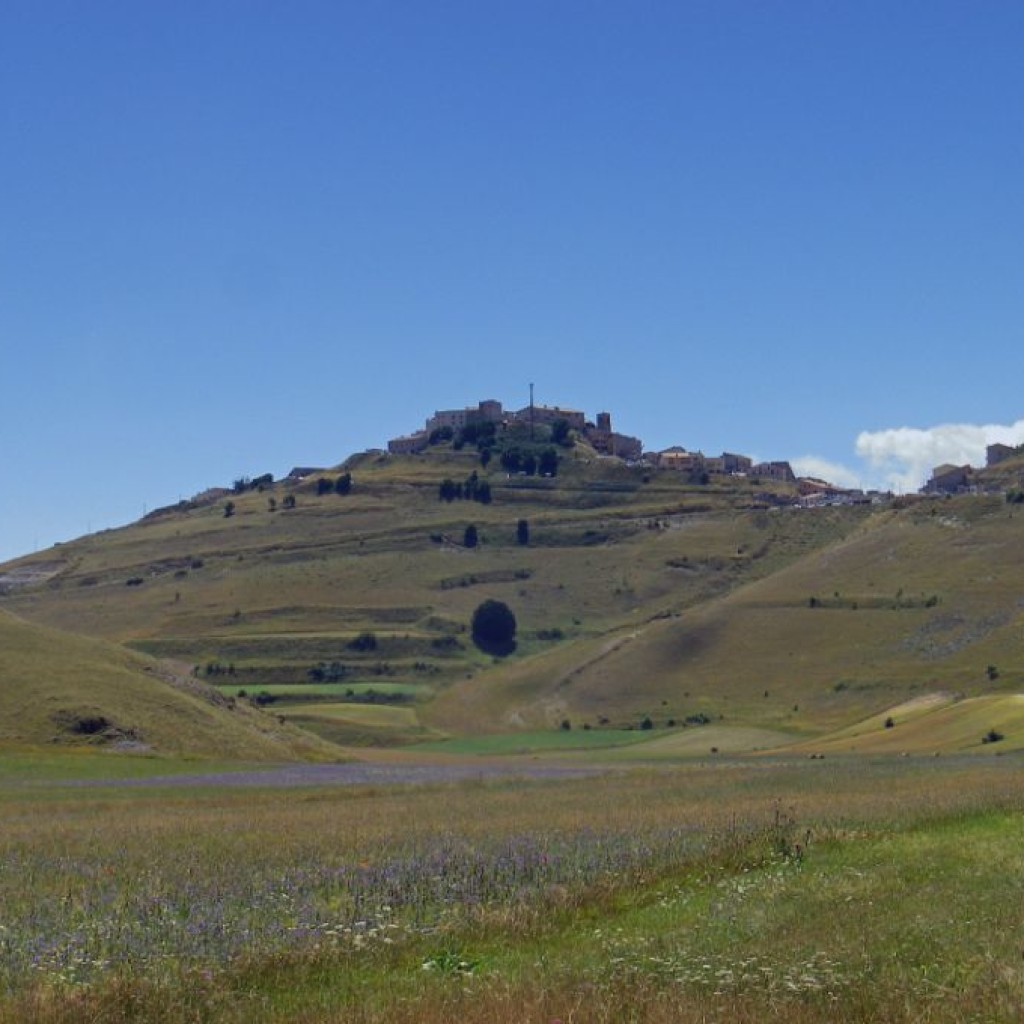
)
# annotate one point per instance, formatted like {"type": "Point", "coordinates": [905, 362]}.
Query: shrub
{"type": "Point", "coordinates": [992, 736]}
{"type": "Point", "coordinates": [363, 642]}
{"type": "Point", "coordinates": [470, 538]}
{"type": "Point", "coordinates": [493, 628]}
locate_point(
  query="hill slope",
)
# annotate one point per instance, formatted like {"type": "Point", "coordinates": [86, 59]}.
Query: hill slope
{"type": "Point", "coordinates": [639, 596]}
{"type": "Point", "coordinates": [920, 599]}
{"type": "Point", "coordinates": [60, 688]}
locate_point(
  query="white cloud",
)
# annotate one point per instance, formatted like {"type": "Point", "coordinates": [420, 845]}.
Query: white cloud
{"type": "Point", "coordinates": [823, 469]}
{"type": "Point", "coordinates": [902, 458]}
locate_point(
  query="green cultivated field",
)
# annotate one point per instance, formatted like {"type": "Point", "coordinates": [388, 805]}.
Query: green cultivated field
{"type": "Point", "coordinates": [848, 890]}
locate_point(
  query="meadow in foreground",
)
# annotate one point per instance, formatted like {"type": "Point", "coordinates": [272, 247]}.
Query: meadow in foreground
{"type": "Point", "coordinates": [886, 890]}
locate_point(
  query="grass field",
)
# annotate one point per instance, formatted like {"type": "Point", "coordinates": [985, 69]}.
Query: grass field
{"type": "Point", "coordinates": [852, 890]}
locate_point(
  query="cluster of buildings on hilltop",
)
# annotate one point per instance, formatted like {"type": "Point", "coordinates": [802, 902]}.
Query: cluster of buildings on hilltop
{"type": "Point", "coordinates": [727, 464]}
{"type": "Point", "coordinates": [950, 479]}
{"type": "Point", "coordinates": [599, 435]}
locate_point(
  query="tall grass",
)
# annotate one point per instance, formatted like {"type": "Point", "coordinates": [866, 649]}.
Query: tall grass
{"type": "Point", "coordinates": [850, 891]}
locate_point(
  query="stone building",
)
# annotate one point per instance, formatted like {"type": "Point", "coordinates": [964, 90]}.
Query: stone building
{"type": "Point", "coordinates": [948, 479]}
{"type": "Point", "coordinates": [996, 453]}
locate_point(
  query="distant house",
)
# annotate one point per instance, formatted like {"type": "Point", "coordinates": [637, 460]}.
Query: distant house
{"type": "Point", "coordinates": [774, 471]}
{"type": "Point", "coordinates": [948, 479]}
{"type": "Point", "coordinates": [487, 411]}
{"type": "Point", "coordinates": [409, 444]}
{"type": "Point", "coordinates": [736, 464]}
{"type": "Point", "coordinates": [549, 414]}
{"type": "Point", "coordinates": [680, 459]}
{"type": "Point", "coordinates": [607, 442]}
{"type": "Point", "coordinates": [996, 453]}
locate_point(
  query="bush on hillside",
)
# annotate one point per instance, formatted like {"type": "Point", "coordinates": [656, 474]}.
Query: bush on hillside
{"type": "Point", "coordinates": [494, 628]}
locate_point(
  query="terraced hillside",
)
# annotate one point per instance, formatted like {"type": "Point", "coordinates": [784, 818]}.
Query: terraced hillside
{"type": "Point", "coordinates": [643, 601]}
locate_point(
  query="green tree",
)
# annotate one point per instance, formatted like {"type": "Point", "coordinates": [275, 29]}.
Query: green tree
{"type": "Point", "coordinates": [560, 432]}
{"type": "Point", "coordinates": [470, 538]}
{"type": "Point", "coordinates": [494, 628]}
{"type": "Point", "coordinates": [548, 463]}
{"type": "Point", "coordinates": [229, 510]}
{"type": "Point", "coordinates": [522, 532]}
{"type": "Point", "coordinates": [343, 484]}
{"type": "Point", "coordinates": [323, 485]}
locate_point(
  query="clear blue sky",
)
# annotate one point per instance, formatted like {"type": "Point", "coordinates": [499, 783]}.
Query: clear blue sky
{"type": "Point", "coordinates": [240, 236]}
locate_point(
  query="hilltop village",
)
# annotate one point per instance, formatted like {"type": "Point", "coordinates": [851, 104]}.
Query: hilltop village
{"type": "Point", "coordinates": [597, 433]}
{"type": "Point", "coordinates": [609, 443]}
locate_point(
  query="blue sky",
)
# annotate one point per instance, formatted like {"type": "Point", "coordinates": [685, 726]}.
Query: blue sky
{"type": "Point", "coordinates": [236, 237]}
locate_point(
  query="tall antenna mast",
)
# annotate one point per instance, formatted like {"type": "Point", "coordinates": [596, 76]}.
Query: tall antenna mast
{"type": "Point", "coordinates": [531, 410]}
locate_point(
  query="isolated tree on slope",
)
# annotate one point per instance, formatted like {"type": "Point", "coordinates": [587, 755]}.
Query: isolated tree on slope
{"type": "Point", "coordinates": [494, 628]}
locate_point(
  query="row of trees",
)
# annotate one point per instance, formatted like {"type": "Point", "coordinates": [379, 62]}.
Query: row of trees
{"type": "Point", "coordinates": [472, 489]}
{"type": "Point", "coordinates": [343, 485]}
{"type": "Point", "coordinates": [517, 452]}
{"type": "Point", "coordinates": [530, 460]}
{"type": "Point", "coordinates": [471, 535]}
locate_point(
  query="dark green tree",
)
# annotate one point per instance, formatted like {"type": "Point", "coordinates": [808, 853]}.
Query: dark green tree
{"type": "Point", "coordinates": [510, 459]}
{"type": "Point", "coordinates": [343, 484]}
{"type": "Point", "coordinates": [470, 538]}
{"type": "Point", "coordinates": [522, 532]}
{"type": "Point", "coordinates": [560, 432]}
{"type": "Point", "coordinates": [494, 628]}
{"type": "Point", "coordinates": [548, 462]}
{"type": "Point", "coordinates": [229, 510]}
{"type": "Point", "coordinates": [324, 486]}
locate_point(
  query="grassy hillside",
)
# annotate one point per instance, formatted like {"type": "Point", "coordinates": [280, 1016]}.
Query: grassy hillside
{"type": "Point", "coordinates": [642, 600]}
{"type": "Point", "coordinates": [913, 600]}
{"type": "Point", "coordinates": [56, 688]}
